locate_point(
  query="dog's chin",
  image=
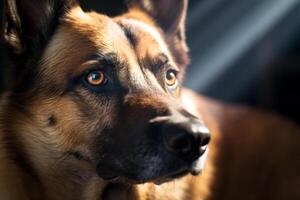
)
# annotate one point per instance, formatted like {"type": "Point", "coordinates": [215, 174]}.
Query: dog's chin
{"type": "Point", "coordinates": [194, 169]}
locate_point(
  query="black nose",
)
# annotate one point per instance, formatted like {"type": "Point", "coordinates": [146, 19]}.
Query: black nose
{"type": "Point", "coordinates": [187, 140]}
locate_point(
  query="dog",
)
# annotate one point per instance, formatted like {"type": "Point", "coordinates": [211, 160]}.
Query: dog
{"type": "Point", "coordinates": [92, 101]}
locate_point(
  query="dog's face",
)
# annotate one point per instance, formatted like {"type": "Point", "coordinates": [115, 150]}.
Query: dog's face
{"type": "Point", "coordinates": [102, 92]}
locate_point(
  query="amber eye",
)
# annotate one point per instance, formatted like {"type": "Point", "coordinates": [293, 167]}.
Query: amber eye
{"type": "Point", "coordinates": [96, 78]}
{"type": "Point", "coordinates": [171, 78]}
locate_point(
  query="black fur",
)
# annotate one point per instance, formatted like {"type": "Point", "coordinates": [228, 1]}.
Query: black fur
{"type": "Point", "coordinates": [32, 24]}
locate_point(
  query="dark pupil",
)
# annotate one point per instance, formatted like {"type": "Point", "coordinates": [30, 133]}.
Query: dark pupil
{"type": "Point", "coordinates": [95, 76]}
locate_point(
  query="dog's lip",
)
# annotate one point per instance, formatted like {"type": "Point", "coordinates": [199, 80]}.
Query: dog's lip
{"type": "Point", "coordinates": [124, 180]}
{"type": "Point", "coordinates": [158, 181]}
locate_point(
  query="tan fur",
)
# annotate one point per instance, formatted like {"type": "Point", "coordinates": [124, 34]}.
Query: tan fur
{"type": "Point", "coordinates": [53, 174]}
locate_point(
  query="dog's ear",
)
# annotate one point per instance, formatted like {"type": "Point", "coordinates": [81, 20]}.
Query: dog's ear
{"type": "Point", "coordinates": [170, 15]}
{"type": "Point", "coordinates": [28, 26]}
{"type": "Point", "coordinates": [30, 23]}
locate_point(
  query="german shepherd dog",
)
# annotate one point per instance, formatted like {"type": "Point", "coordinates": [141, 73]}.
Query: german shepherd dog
{"type": "Point", "coordinates": [93, 101]}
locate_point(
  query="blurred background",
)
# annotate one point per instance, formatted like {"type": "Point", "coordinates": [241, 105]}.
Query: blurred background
{"type": "Point", "coordinates": [246, 52]}
{"type": "Point", "coordinates": [242, 51]}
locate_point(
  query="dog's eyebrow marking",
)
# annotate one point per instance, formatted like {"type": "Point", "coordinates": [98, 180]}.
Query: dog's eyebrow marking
{"type": "Point", "coordinates": [140, 26]}
{"type": "Point", "coordinates": [161, 60]}
{"type": "Point", "coordinates": [107, 60]}
{"type": "Point", "coordinates": [158, 62]}
{"type": "Point", "coordinates": [129, 34]}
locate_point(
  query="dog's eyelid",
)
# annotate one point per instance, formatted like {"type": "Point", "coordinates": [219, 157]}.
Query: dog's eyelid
{"type": "Point", "coordinates": [97, 61]}
{"type": "Point", "coordinates": [173, 67]}
{"type": "Point", "coordinates": [84, 67]}
{"type": "Point", "coordinates": [165, 62]}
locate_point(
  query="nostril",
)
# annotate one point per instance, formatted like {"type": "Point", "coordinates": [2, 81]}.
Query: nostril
{"type": "Point", "coordinates": [205, 139]}
{"type": "Point", "coordinates": [201, 132]}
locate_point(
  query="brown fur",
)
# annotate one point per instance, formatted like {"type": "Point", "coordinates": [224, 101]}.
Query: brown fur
{"type": "Point", "coordinates": [48, 128]}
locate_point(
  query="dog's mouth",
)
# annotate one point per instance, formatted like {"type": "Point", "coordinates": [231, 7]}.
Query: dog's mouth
{"type": "Point", "coordinates": [193, 169]}
{"type": "Point", "coordinates": [157, 181]}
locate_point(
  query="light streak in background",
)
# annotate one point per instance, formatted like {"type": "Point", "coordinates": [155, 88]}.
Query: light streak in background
{"type": "Point", "coordinates": [222, 32]}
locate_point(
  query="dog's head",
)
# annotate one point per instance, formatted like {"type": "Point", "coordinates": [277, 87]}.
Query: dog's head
{"type": "Point", "coordinates": [102, 92]}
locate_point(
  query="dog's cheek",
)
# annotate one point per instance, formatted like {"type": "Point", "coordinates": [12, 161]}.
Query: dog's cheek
{"type": "Point", "coordinates": [62, 124]}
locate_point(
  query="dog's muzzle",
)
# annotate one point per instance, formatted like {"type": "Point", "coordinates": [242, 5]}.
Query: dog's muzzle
{"type": "Point", "coordinates": [168, 147]}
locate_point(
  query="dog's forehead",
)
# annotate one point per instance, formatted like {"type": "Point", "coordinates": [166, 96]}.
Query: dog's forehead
{"type": "Point", "coordinates": [147, 39]}
{"type": "Point", "coordinates": [83, 35]}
